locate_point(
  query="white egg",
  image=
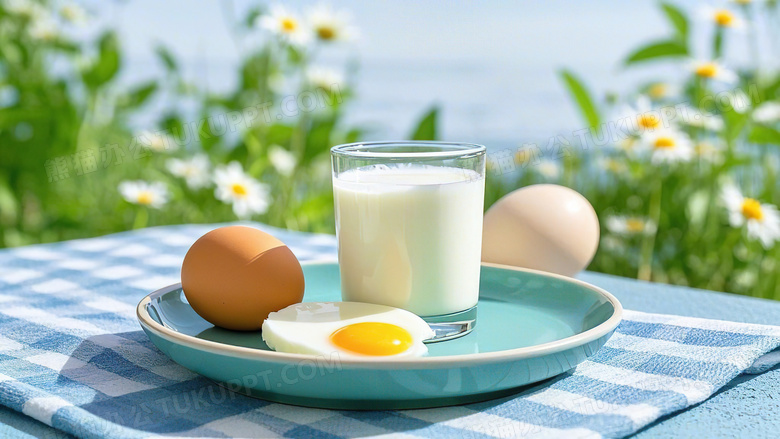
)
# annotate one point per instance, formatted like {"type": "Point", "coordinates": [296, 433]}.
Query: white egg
{"type": "Point", "coordinates": [543, 226]}
{"type": "Point", "coordinates": [350, 329]}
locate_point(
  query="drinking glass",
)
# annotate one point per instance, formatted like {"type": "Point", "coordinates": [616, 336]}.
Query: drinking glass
{"type": "Point", "coordinates": [409, 228]}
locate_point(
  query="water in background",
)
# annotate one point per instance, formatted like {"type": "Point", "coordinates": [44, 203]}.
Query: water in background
{"type": "Point", "coordinates": [491, 66]}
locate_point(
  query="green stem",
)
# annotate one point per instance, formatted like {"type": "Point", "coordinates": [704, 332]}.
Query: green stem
{"type": "Point", "coordinates": [87, 121]}
{"type": "Point", "coordinates": [141, 218]}
{"type": "Point", "coordinates": [765, 293]}
{"type": "Point", "coordinates": [717, 43]}
{"type": "Point", "coordinates": [648, 243]}
{"type": "Point", "coordinates": [726, 264]}
{"type": "Point", "coordinates": [698, 92]}
{"type": "Point", "coordinates": [568, 171]}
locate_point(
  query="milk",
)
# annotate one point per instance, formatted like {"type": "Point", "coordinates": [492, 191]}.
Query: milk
{"type": "Point", "coordinates": [410, 236]}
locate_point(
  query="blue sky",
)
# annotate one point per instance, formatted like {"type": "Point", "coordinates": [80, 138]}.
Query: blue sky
{"type": "Point", "coordinates": [490, 65]}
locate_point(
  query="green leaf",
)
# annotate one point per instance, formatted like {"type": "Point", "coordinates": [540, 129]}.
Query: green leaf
{"type": "Point", "coordinates": [353, 135]}
{"type": "Point", "coordinates": [279, 134]}
{"type": "Point", "coordinates": [167, 58]}
{"type": "Point", "coordinates": [139, 95]}
{"type": "Point", "coordinates": [8, 203]}
{"type": "Point", "coordinates": [582, 96]}
{"type": "Point", "coordinates": [763, 134]}
{"type": "Point", "coordinates": [251, 16]}
{"type": "Point", "coordinates": [319, 140]}
{"type": "Point", "coordinates": [66, 46]}
{"type": "Point", "coordinates": [427, 126]}
{"type": "Point", "coordinates": [206, 135]}
{"type": "Point", "coordinates": [172, 122]}
{"type": "Point", "coordinates": [295, 55]}
{"type": "Point", "coordinates": [657, 50]}
{"type": "Point", "coordinates": [735, 123]}
{"type": "Point", "coordinates": [107, 64]}
{"type": "Point", "coordinates": [770, 91]}
{"type": "Point", "coordinates": [677, 18]}
{"type": "Point", "coordinates": [255, 71]}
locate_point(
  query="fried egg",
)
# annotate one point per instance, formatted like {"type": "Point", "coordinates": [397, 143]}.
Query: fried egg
{"type": "Point", "coordinates": [351, 329]}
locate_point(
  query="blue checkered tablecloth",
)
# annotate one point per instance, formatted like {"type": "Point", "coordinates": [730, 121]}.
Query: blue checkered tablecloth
{"type": "Point", "coordinates": [72, 356]}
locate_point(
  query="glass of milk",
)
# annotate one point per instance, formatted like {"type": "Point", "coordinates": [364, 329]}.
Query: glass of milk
{"type": "Point", "coordinates": [409, 227]}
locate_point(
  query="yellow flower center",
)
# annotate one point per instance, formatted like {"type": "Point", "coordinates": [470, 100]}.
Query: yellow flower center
{"type": "Point", "coordinates": [707, 70]}
{"type": "Point", "coordinates": [724, 18]}
{"type": "Point", "coordinates": [289, 24]}
{"type": "Point", "coordinates": [326, 33]}
{"type": "Point", "coordinates": [627, 144]}
{"type": "Point", "coordinates": [635, 225]}
{"type": "Point", "coordinates": [664, 142]}
{"type": "Point", "coordinates": [238, 189]}
{"type": "Point", "coordinates": [613, 166]}
{"type": "Point", "coordinates": [648, 121]}
{"type": "Point", "coordinates": [523, 156]}
{"type": "Point", "coordinates": [751, 209]}
{"type": "Point", "coordinates": [658, 90]}
{"type": "Point", "coordinates": [69, 13]}
{"type": "Point", "coordinates": [145, 198]}
{"type": "Point", "coordinates": [704, 148]}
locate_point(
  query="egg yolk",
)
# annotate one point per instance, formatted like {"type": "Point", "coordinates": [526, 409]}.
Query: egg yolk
{"type": "Point", "coordinates": [372, 338]}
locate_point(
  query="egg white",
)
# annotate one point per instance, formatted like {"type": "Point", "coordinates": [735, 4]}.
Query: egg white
{"type": "Point", "coordinates": [305, 328]}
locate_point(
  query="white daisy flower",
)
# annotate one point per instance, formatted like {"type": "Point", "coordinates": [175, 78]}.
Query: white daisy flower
{"type": "Point", "coordinates": [26, 8]}
{"type": "Point", "coordinates": [627, 144]}
{"type": "Point", "coordinates": [662, 90]}
{"type": "Point", "coordinates": [282, 160]}
{"type": "Point", "coordinates": [195, 170]}
{"type": "Point", "coordinates": [247, 195]}
{"type": "Point", "coordinates": [722, 17]}
{"type": "Point", "coordinates": [325, 78]}
{"type": "Point", "coordinates": [613, 244]}
{"type": "Point", "coordinates": [549, 169]}
{"type": "Point", "coordinates": [668, 146]}
{"type": "Point", "coordinates": [74, 13]}
{"type": "Point", "coordinates": [736, 100]}
{"type": "Point", "coordinates": [284, 24]}
{"type": "Point", "coordinates": [767, 113]}
{"type": "Point", "coordinates": [155, 141]}
{"type": "Point", "coordinates": [329, 25]}
{"type": "Point", "coordinates": [744, 279]}
{"type": "Point", "coordinates": [708, 152]}
{"type": "Point", "coordinates": [154, 195]}
{"type": "Point", "coordinates": [762, 220]}
{"type": "Point", "coordinates": [612, 165]}
{"type": "Point", "coordinates": [44, 30]}
{"type": "Point", "coordinates": [712, 70]}
{"type": "Point", "coordinates": [527, 155]}
{"type": "Point", "coordinates": [641, 116]}
{"type": "Point", "coordinates": [695, 118]}
{"type": "Point", "coordinates": [630, 225]}
{"type": "Point", "coordinates": [278, 83]}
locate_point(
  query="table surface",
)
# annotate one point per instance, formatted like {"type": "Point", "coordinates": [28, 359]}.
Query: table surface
{"type": "Point", "coordinates": [747, 407]}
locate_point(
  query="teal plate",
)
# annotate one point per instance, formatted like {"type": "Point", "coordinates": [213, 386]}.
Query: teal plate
{"type": "Point", "coordinates": [530, 326]}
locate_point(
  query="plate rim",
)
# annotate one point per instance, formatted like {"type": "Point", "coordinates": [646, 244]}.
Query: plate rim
{"type": "Point", "coordinates": [448, 361]}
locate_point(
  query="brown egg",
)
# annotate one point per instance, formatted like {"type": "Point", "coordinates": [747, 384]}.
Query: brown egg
{"type": "Point", "coordinates": [235, 276]}
{"type": "Point", "coordinates": [545, 227]}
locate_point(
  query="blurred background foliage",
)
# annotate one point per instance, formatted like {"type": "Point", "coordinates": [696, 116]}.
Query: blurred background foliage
{"type": "Point", "coordinates": [692, 200]}
{"type": "Point", "coordinates": [74, 164]}
{"type": "Point", "coordinates": [68, 140]}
